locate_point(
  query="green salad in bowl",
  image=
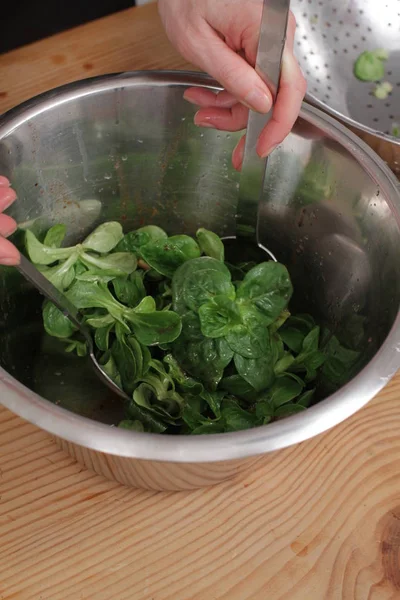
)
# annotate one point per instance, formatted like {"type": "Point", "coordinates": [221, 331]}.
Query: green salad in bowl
{"type": "Point", "coordinates": [200, 344]}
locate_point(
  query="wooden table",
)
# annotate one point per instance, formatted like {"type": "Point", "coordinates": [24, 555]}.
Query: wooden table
{"type": "Point", "coordinates": [317, 521]}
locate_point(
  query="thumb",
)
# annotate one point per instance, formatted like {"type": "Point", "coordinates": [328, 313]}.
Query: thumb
{"type": "Point", "coordinates": [231, 71]}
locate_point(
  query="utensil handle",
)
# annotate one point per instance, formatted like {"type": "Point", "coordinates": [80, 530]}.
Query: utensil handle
{"type": "Point", "coordinates": [45, 287]}
{"type": "Point", "coordinates": [271, 43]}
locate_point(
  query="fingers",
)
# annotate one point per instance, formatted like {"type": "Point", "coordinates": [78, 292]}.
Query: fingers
{"type": "Point", "coordinates": [9, 255]}
{"type": "Point", "coordinates": [7, 225]}
{"type": "Point", "coordinates": [7, 197]}
{"type": "Point", "coordinates": [237, 155]}
{"type": "Point", "coordinates": [221, 111]}
{"type": "Point", "coordinates": [225, 119]}
{"type": "Point", "coordinates": [207, 98]}
{"type": "Point", "coordinates": [292, 90]}
{"type": "Point", "coordinates": [287, 107]}
{"type": "Point", "coordinates": [232, 71]}
{"type": "Point", "coordinates": [4, 181]}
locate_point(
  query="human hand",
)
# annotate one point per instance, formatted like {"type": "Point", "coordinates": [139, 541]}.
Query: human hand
{"type": "Point", "coordinates": [9, 255]}
{"type": "Point", "coordinates": [221, 37]}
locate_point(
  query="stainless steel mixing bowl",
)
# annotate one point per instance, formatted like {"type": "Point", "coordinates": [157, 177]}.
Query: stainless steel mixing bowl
{"type": "Point", "coordinates": [124, 147]}
{"type": "Point", "coordinates": [330, 36]}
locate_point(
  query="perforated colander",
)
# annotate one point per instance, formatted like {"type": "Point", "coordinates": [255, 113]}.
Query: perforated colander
{"type": "Point", "coordinates": [331, 34]}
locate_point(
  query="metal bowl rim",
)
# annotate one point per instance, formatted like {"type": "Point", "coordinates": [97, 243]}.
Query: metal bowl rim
{"type": "Point", "coordinates": [186, 449]}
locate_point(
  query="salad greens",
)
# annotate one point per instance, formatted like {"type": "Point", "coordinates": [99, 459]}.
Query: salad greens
{"type": "Point", "coordinates": [369, 66]}
{"type": "Point", "coordinates": [199, 345]}
{"type": "Point", "coordinates": [382, 90]}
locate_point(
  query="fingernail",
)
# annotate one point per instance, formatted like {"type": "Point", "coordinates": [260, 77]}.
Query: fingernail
{"type": "Point", "coordinates": [4, 181]}
{"type": "Point", "coordinates": [258, 100]}
{"type": "Point", "coordinates": [237, 154]}
{"type": "Point", "coordinates": [225, 100]}
{"type": "Point", "coordinates": [189, 100]}
{"type": "Point", "coordinates": [8, 198]}
{"type": "Point", "coordinates": [9, 231]}
{"type": "Point", "coordinates": [203, 122]}
{"type": "Point", "coordinates": [269, 151]}
{"type": "Point", "coordinates": [8, 262]}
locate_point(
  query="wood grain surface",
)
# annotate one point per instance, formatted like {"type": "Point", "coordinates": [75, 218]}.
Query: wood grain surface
{"type": "Point", "coordinates": [317, 521]}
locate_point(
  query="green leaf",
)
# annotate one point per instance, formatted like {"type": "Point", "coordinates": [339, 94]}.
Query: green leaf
{"type": "Point", "coordinates": [193, 266]}
{"type": "Point", "coordinates": [137, 350]}
{"type": "Point", "coordinates": [237, 386]}
{"type": "Point", "coordinates": [191, 328]}
{"type": "Point", "coordinates": [292, 338]}
{"type": "Point", "coordinates": [210, 427]}
{"type": "Point", "coordinates": [80, 269]}
{"type": "Point", "coordinates": [214, 400]}
{"type": "Point", "coordinates": [382, 90]}
{"type": "Point", "coordinates": [310, 358]}
{"type": "Point", "coordinates": [119, 263]}
{"type": "Point", "coordinates": [284, 390]}
{"type": "Point", "coordinates": [129, 290]}
{"type": "Point", "coordinates": [280, 321]}
{"type": "Point", "coordinates": [151, 422]}
{"type": "Point", "coordinates": [210, 244]}
{"type": "Point", "coordinates": [295, 329]}
{"type": "Point", "coordinates": [311, 341]}
{"type": "Point", "coordinates": [218, 316]}
{"type": "Point", "coordinates": [187, 384]}
{"type": "Point", "coordinates": [61, 275]}
{"type": "Point", "coordinates": [44, 255]}
{"type": "Point", "coordinates": [102, 337]}
{"type": "Point", "coordinates": [265, 411]}
{"type": "Point", "coordinates": [306, 398]}
{"type": "Point", "coordinates": [201, 286]}
{"type": "Point", "coordinates": [268, 287]}
{"type": "Point", "coordinates": [96, 275]}
{"type": "Point", "coordinates": [109, 366]}
{"type": "Point", "coordinates": [288, 410]}
{"type": "Point", "coordinates": [339, 362]}
{"type": "Point", "coordinates": [134, 240]}
{"type": "Point", "coordinates": [165, 256]}
{"type": "Point", "coordinates": [55, 322]}
{"type": "Point", "coordinates": [251, 339]}
{"type": "Point", "coordinates": [76, 346]}
{"type": "Point", "coordinates": [284, 363]}
{"type": "Point", "coordinates": [158, 327]}
{"type": "Point", "coordinates": [126, 364]}
{"type": "Point", "coordinates": [84, 294]}
{"type": "Point", "coordinates": [277, 347]}
{"type": "Point", "coordinates": [104, 238]}
{"type": "Point", "coordinates": [131, 425]}
{"type": "Point", "coordinates": [168, 406]}
{"type": "Point", "coordinates": [369, 65]}
{"type": "Point", "coordinates": [192, 416]}
{"type": "Point", "coordinates": [100, 320]}
{"type": "Point", "coordinates": [55, 236]}
{"type": "Point", "coordinates": [204, 359]}
{"type": "Point", "coordinates": [236, 418]}
{"type": "Point", "coordinates": [146, 305]}
{"type": "Point", "coordinates": [303, 322]}
{"type": "Point", "coordinates": [259, 372]}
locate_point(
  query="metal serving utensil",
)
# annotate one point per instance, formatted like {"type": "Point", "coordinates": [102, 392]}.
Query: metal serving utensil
{"type": "Point", "coordinates": [49, 291]}
{"type": "Point", "coordinates": [268, 66]}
